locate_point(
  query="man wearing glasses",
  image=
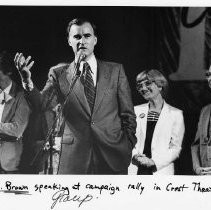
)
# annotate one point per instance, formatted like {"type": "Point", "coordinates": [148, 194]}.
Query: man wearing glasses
{"type": "Point", "coordinates": [201, 147]}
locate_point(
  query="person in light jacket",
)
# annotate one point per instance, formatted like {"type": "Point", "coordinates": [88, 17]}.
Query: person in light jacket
{"type": "Point", "coordinates": [160, 127]}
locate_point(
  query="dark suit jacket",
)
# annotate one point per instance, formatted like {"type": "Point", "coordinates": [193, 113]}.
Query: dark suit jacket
{"type": "Point", "coordinates": [201, 147]}
{"type": "Point", "coordinates": [14, 121]}
{"type": "Point", "coordinates": [110, 128]}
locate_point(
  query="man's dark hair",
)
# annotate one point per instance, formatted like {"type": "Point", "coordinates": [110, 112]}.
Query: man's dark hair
{"type": "Point", "coordinates": [7, 65]}
{"type": "Point", "coordinates": [79, 22]}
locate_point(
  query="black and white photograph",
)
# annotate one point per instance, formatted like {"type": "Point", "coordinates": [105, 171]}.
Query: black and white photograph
{"type": "Point", "coordinates": [94, 92]}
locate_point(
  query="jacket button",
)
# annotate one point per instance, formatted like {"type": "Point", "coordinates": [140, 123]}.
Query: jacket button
{"type": "Point", "coordinates": [92, 122]}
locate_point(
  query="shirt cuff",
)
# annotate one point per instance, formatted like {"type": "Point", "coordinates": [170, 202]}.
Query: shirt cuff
{"type": "Point", "coordinates": [28, 85]}
{"type": "Point", "coordinates": [154, 168]}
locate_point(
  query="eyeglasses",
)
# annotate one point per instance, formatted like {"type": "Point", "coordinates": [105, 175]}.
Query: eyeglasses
{"type": "Point", "coordinates": [207, 73]}
{"type": "Point", "coordinates": [141, 84]}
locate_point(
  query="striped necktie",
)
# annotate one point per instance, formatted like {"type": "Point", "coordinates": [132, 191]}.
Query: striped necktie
{"type": "Point", "coordinates": [89, 87]}
{"type": "Point", "coordinates": [2, 96]}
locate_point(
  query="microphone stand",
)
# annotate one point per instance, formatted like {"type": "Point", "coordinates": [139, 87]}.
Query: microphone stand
{"type": "Point", "coordinates": [51, 132]}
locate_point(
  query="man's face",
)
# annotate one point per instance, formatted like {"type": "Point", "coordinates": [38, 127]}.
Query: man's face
{"type": "Point", "coordinates": [3, 76]}
{"type": "Point", "coordinates": [82, 38]}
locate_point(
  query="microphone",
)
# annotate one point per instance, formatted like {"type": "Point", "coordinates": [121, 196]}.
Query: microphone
{"type": "Point", "coordinates": [79, 57]}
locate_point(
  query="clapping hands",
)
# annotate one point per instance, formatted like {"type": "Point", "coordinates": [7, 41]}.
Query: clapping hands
{"type": "Point", "coordinates": [143, 160]}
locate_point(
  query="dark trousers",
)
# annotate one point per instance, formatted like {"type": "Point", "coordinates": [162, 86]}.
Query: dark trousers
{"type": "Point", "coordinates": [99, 166]}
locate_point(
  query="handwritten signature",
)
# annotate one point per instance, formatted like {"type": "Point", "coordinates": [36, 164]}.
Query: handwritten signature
{"type": "Point", "coordinates": [64, 196]}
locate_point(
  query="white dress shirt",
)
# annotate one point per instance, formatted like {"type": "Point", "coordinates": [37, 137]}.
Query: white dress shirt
{"type": "Point", "coordinates": [3, 98]}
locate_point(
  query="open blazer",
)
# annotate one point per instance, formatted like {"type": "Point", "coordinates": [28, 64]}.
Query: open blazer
{"type": "Point", "coordinates": [13, 123]}
{"type": "Point", "coordinates": [167, 137]}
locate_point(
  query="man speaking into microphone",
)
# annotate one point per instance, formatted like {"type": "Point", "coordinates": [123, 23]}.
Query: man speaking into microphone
{"type": "Point", "coordinates": [100, 124]}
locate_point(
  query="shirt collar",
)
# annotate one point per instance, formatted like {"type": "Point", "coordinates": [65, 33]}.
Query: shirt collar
{"type": "Point", "coordinates": [92, 63]}
{"type": "Point", "coordinates": [4, 95]}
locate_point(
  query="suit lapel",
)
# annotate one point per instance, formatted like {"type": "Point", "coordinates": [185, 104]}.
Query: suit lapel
{"type": "Point", "coordinates": [103, 79]}
{"type": "Point", "coordinates": [9, 103]}
{"type": "Point", "coordinates": [143, 120]}
{"type": "Point", "coordinates": [78, 89]}
{"type": "Point", "coordinates": [103, 76]}
{"type": "Point", "coordinates": [206, 119]}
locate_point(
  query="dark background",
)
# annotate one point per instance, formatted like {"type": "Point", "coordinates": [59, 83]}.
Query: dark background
{"type": "Point", "coordinates": [133, 36]}
{"type": "Point", "coordinates": [123, 36]}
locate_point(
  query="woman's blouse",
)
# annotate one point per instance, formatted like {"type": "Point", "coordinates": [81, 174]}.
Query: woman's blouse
{"type": "Point", "coordinates": [152, 119]}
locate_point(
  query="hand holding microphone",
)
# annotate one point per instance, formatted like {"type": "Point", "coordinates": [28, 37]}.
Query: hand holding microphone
{"type": "Point", "coordinates": [80, 56]}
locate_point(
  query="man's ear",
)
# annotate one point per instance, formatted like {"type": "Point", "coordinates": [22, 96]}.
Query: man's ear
{"type": "Point", "coordinates": [95, 40]}
{"type": "Point", "coordinates": [69, 42]}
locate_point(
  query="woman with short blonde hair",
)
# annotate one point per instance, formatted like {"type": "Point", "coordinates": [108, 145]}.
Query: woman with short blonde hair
{"type": "Point", "coordinates": [160, 126]}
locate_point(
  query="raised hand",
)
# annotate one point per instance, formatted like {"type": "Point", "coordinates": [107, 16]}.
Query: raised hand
{"type": "Point", "coordinates": [23, 65]}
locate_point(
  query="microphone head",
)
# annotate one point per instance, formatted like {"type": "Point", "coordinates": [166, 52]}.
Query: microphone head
{"type": "Point", "coordinates": [80, 56]}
